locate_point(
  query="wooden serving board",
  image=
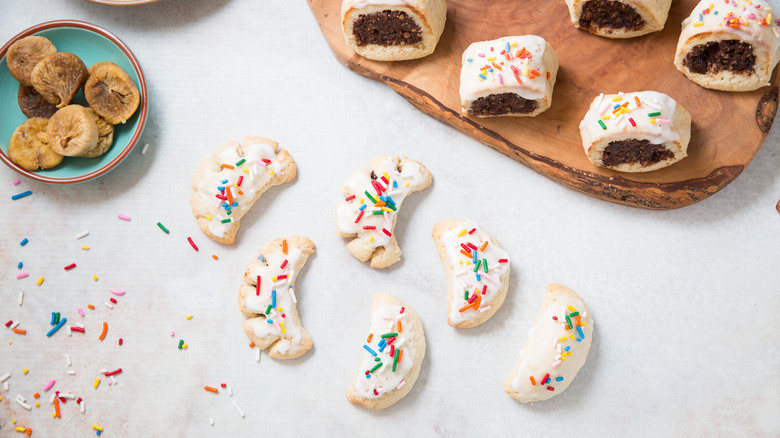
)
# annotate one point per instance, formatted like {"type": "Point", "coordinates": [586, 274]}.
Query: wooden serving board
{"type": "Point", "coordinates": [728, 128]}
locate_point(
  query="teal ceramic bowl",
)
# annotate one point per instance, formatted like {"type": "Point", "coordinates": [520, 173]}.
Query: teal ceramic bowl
{"type": "Point", "coordinates": [92, 44]}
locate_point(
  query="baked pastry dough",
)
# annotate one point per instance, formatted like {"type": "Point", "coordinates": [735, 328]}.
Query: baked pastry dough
{"type": "Point", "coordinates": [619, 18]}
{"type": "Point", "coordinates": [226, 185]}
{"type": "Point", "coordinates": [635, 132]}
{"type": "Point", "coordinates": [731, 46]}
{"type": "Point", "coordinates": [372, 200]}
{"type": "Point", "coordinates": [392, 355]}
{"type": "Point", "coordinates": [557, 347]}
{"type": "Point", "coordinates": [510, 76]}
{"type": "Point", "coordinates": [477, 270]}
{"type": "Point", "coordinates": [268, 298]}
{"type": "Point", "coordinates": [393, 30]}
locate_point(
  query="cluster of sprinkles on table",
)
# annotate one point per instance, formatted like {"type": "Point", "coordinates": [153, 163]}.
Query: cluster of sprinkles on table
{"type": "Point", "coordinates": [510, 76]}
{"type": "Point", "coordinates": [225, 187]}
{"type": "Point", "coordinates": [477, 269]}
{"type": "Point", "coordinates": [268, 298]}
{"type": "Point", "coordinates": [556, 348]}
{"type": "Point", "coordinates": [635, 132]}
{"type": "Point", "coordinates": [730, 45]}
{"type": "Point", "coordinates": [372, 200]}
{"type": "Point", "coordinates": [59, 323]}
{"type": "Point", "coordinates": [392, 355]}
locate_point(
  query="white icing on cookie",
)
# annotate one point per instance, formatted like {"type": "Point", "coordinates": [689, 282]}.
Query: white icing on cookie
{"type": "Point", "coordinates": [242, 181]}
{"type": "Point", "coordinates": [385, 195]}
{"type": "Point", "coordinates": [554, 351]}
{"type": "Point", "coordinates": [749, 20]}
{"type": "Point", "coordinates": [468, 249]}
{"type": "Point", "coordinates": [379, 376]}
{"type": "Point", "coordinates": [614, 117]}
{"type": "Point", "coordinates": [506, 65]}
{"type": "Point", "coordinates": [275, 300]}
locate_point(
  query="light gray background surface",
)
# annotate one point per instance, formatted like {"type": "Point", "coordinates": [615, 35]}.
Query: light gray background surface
{"type": "Point", "coordinates": [686, 303]}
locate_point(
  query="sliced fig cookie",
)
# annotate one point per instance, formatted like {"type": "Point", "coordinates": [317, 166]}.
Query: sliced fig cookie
{"type": "Point", "coordinates": [29, 146]}
{"type": "Point", "coordinates": [25, 54]}
{"type": "Point", "coordinates": [58, 77]}
{"type": "Point", "coordinates": [33, 104]}
{"type": "Point", "coordinates": [111, 92]}
{"type": "Point", "coordinates": [72, 131]}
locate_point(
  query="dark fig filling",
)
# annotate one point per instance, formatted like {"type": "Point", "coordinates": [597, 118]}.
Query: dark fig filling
{"type": "Point", "coordinates": [609, 14]}
{"type": "Point", "coordinates": [505, 103]}
{"type": "Point", "coordinates": [386, 28]}
{"type": "Point", "coordinates": [634, 151]}
{"type": "Point", "coordinates": [715, 56]}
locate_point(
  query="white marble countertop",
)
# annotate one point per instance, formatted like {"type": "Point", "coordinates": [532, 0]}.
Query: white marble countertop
{"type": "Point", "coordinates": [685, 302]}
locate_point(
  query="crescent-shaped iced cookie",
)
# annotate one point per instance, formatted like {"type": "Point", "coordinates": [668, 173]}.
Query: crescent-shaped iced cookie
{"type": "Point", "coordinates": [226, 185]}
{"type": "Point", "coordinates": [635, 132]}
{"type": "Point", "coordinates": [556, 348]}
{"type": "Point", "coordinates": [268, 297]}
{"type": "Point", "coordinates": [372, 200]}
{"type": "Point", "coordinates": [477, 270]}
{"type": "Point", "coordinates": [392, 355]}
{"type": "Point", "coordinates": [510, 76]}
{"type": "Point", "coordinates": [393, 30]}
{"type": "Point", "coordinates": [731, 46]}
{"type": "Point", "coordinates": [619, 18]}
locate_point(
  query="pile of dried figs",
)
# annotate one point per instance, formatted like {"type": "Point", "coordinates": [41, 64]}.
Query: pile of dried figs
{"type": "Point", "coordinates": [48, 81]}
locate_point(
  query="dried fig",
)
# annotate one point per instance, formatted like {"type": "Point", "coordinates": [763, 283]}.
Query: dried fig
{"type": "Point", "coordinates": [105, 136]}
{"type": "Point", "coordinates": [97, 65]}
{"type": "Point", "coordinates": [33, 104]}
{"type": "Point", "coordinates": [25, 54]}
{"type": "Point", "coordinates": [58, 77]}
{"type": "Point", "coordinates": [29, 146]}
{"type": "Point", "coordinates": [111, 92]}
{"type": "Point", "coordinates": [72, 131]}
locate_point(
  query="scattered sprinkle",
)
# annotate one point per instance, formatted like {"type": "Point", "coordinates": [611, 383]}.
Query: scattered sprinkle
{"type": "Point", "coordinates": [21, 195]}
{"type": "Point", "coordinates": [146, 148]}
{"type": "Point", "coordinates": [82, 234]}
{"type": "Point", "coordinates": [24, 241]}
{"type": "Point", "coordinates": [162, 227]}
{"type": "Point", "coordinates": [123, 217]}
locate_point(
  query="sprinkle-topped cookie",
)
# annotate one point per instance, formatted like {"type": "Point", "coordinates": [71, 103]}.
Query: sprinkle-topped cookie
{"type": "Point", "coordinates": [372, 200]}
{"type": "Point", "coordinates": [226, 186]}
{"type": "Point", "coordinates": [729, 45]}
{"type": "Point", "coordinates": [556, 348]}
{"type": "Point", "coordinates": [511, 76]}
{"type": "Point", "coordinates": [392, 354]}
{"type": "Point", "coordinates": [635, 132]}
{"type": "Point", "coordinates": [268, 296]}
{"type": "Point", "coordinates": [477, 271]}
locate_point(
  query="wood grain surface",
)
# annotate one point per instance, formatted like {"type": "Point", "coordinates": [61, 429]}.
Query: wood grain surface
{"type": "Point", "coordinates": [728, 128]}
